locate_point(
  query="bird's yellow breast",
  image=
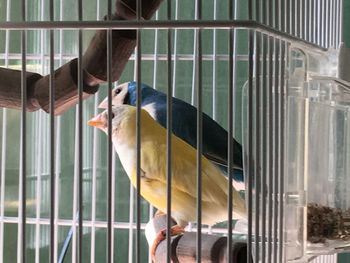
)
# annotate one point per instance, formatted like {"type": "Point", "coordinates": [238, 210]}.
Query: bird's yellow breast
{"type": "Point", "coordinates": [184, 176]}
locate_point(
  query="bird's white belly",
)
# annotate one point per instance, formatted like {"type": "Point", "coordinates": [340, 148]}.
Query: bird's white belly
{"type": "Point", "coordinates": [127, 157]}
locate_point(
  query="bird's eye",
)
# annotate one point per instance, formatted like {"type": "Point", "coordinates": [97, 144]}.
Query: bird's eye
{"type": "Point", "coordinates": [112, 115]}
{"type": "Point", "coordinates": [117, 91]}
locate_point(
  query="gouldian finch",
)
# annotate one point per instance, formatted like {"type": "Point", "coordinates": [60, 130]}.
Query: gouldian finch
{"type": "Point", "coordinates": [215, 137]}
{"type": "Point", "coordinates": [153, 169]}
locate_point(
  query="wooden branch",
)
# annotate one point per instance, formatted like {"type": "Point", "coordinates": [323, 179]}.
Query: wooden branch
{"type": "Point", "coordinates": [183, 247]}
{"type": "Point", "coordinates": [94, 67]}
{"type": "Point", "coordinates": [11, 92]}
{"type": "Point", "coordinates": [95, 57]}
{"type": "Point", "coordinates": [65, 86]}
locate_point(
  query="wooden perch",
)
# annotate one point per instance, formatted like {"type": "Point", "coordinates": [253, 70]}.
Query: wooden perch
{"type": "Point", "coordinates": [94, 67]}
{"type": "Point", "coordinates": [183, 247]}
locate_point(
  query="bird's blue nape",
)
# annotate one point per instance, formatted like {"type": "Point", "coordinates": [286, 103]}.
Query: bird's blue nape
{"type": "Point", "coordinates": [146, 92]}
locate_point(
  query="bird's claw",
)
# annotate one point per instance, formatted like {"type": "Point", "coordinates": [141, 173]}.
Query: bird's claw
{"type": "Point", "coordinates": [174, 231]}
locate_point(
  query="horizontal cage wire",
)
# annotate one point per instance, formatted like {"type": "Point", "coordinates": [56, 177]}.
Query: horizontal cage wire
{"type": "Point", "coordinates": [61, 165]}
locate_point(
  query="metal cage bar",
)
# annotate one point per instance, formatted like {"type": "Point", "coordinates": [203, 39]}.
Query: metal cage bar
{"type": "Point", "coordinates": [23, 164]}
{"type": "Point", "coordinates": [110, 146]}
{"type": "Point", "coordinates": [168, 136]}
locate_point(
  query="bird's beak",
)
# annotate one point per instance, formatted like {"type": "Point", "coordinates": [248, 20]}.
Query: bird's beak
{"type": "Point", "coordinates": [103, 104]}
{"type": "Point", "coordinates": [97, 121]}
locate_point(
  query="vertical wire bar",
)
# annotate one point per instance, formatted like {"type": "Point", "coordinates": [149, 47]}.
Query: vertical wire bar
{"type": "Point", "coordinates": [301, 19]}
{"type": "Point", "coordinates": [214, 61]}
{"type": "Point", "coordinates": [264, 151]}
{"type": "Point", "coordinates": [138, 135]}
{"type": "Point", "coordinates": [113, 202]}
{"type": "Point", "coordinates": [323, 15]}
{"type": "Point", "coordinates": [307, 20]}
{"type": "Point", "coordinates": [61, 34]}
{"type": "Point", "coordinates": [283, 87]}
{"type": "Point", "coordinates": [3, 150]}
{"type": "Point", "coordinates": [334, 24]}
{"type": "Point", "coordinates": [23, 184]}
{"type": "Point", "coordinates": [325, 26]}
{"type": "Point", "coordinates": [199, 135]}
{"type": "Point", "coordinates": [314, 11]}
{"type": "Point", "coordinates": [155, 56]}
{"type": "Point", "coordinates": [257, 174]}
{"type": "Point", "coordinates": [250, 172]}
{"type": "Point", "coordinates": [312, 28]}
{"type": "Point", "coordinates": [340, 21]}
{"type": "Point", "coordinates": [275, 147]}
{"type": "Point", "coordinates": [109, 153]}
{"type": "Point", "coordinates": [335, 13]}
{"type": "Point", "coordinates": [230, 135]}
{"type": "Point", "coordinates": [257, 144]}
{"type": "Point", "coordinates": [2, 189]}
{"type": "Point", "coordinates": [131, 198]}
{"type": "Point", "coordinates": [269, 155]}
{"type": "Point", "coordinates": [168, 137]}
{"type": "Point", "coordinates": [58, 143]}
{"type": "Point", "coordinates": [292, 4]}
{"type": "Point", "coordinates": [131, 222]}
{"type": "Point", "coordinates": [3, 173]}
{"type": "Point", "coordinates": [321, 22]}
{"type": "Point", "coordinates": [3, 144]}
{"type": "Point", "coordinates": [338, 15]}
{"type": "Point", "coordinates": [195, 55]}
{"type": "Point", "coordinates": [311, 24]}
{"type": "Point", "coordinates": [58, 168]}
{"type": "Point", "coordinates": [271, 46]}
{"type": "Point", "coordinates": [95, 150]}
{"type": "Point", "coordinates": [297, 16]}
{"type": "Point", "coordinates": [318, 22]}
{"type": "Point", "coordinates": [40, 152]}
{"type": "Point", "coordinates": [331, 18]}
{"type": "Point", "coordinates": [76, 190]}
{"type": "Point", "coordinates": [52, 139]}
{"type": "Point", "coordinates": [175, 48]}
{"type": "Point", "coordinates": [327, 16]}
{"type": "Point", "coordinates": [235, 59]}
{"type": "Point", "coordinates": [80, 135]}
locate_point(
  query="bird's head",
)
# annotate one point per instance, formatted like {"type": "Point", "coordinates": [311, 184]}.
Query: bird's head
{"type": "Point", "coordinates": [126, 93]}
{"type": "Point", "coordinates": [120, 96]}
{"type": "Point", "coordinates": [119, 115]}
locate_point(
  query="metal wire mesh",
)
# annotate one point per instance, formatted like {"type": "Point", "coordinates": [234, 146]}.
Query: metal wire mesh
{"type": "Point", "coordinates": [66, 167]}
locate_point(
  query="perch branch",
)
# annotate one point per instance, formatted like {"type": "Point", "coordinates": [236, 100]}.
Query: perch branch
{"type": "Point", "coordinates": [94, 67]}
{"type": "Point", "coordinates": [183, 247]}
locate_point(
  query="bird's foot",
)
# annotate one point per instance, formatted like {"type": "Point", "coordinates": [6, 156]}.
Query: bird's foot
{"type": "Point", "coordinates": [174, 231]}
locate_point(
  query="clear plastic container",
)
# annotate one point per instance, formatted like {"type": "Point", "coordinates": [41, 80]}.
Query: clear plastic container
{"type": "Point", "coordinates": [317, 183]}
{"type": "Point", "coordinates": [317, 158]}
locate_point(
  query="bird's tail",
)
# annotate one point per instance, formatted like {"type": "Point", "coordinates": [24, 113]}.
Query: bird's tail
{"type": "Point", "coordinates": [237, 176]}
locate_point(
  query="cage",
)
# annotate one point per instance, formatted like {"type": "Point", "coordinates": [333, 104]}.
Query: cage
{"type": "Point", "coordinates": [64, 194]}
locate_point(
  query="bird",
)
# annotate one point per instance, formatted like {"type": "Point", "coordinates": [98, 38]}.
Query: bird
{"type": "Point", "coordinates": [184, 115]}
{"type": "Point", "coordinates": [183, 170]}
